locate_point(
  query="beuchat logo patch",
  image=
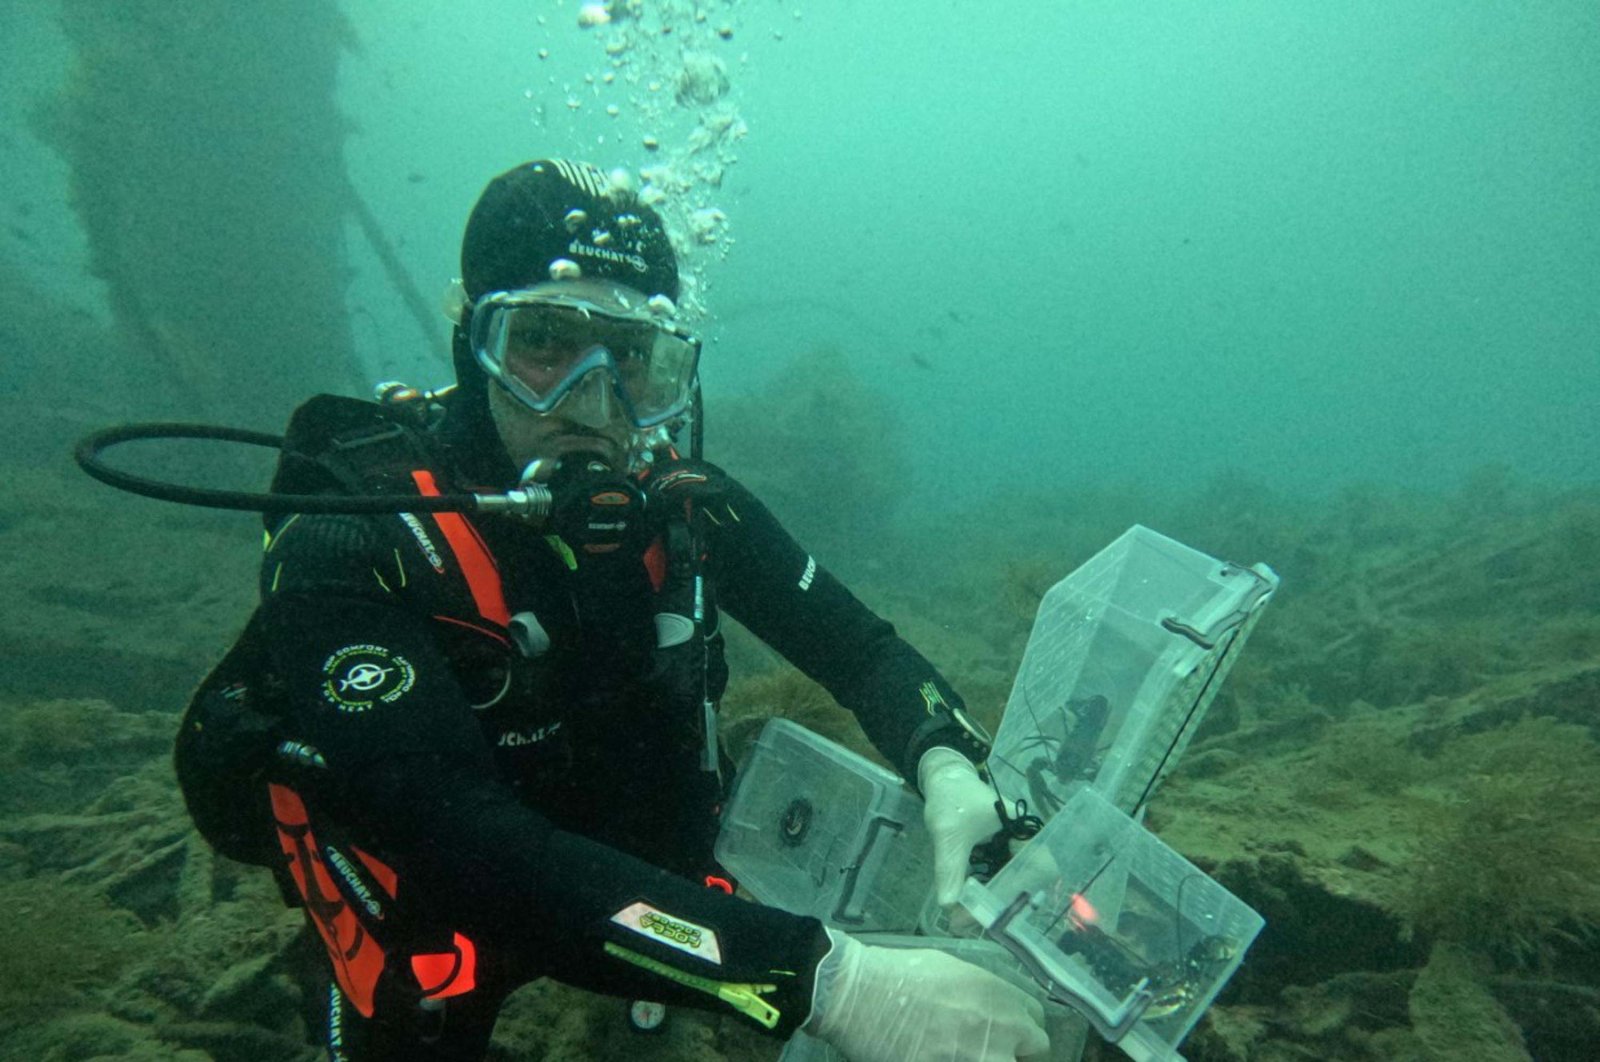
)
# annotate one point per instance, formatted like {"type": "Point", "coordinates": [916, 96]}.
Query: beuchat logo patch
{"type": "Point", "coordinates": [358, 677]}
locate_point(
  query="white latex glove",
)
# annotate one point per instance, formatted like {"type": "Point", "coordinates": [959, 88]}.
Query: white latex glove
{"type": "Point", "coordinates": [918, 1005]}
{"type": "Point", "coordinates": [959, 814]}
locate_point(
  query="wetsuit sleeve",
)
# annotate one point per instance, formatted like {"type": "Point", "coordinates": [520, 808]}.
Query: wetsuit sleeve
{"type": "Point", "coordinates": [409, 773]}
{"type": "Point", "coordinates": [769, 583]}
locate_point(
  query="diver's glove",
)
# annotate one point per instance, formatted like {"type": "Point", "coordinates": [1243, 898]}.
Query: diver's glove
{"type": "Point", "coordinates": [680, 481]}
{"type": "Point", "coordinates": [680, 477]}
{"type": "Point", "coordinates": [915, 1004]}
{"type": "Point", "coordinates": [960, 814]}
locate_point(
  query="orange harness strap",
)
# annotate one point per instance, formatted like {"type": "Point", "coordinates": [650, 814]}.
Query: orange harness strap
{"type": "Point", "coordinates": [357, 959]}
{"type": "Point", "coordinates": [483, 576]}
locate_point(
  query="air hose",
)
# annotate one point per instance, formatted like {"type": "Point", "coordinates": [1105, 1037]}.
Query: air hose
{"type": "Point", "coordinates": [530, 501]}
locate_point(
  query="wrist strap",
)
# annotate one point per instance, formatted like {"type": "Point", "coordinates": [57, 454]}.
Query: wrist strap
{"type": "Point", "coordinates": [952, 728]}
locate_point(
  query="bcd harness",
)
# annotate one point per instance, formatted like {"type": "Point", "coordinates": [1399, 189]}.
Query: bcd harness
{"type": "Point", "coordinates": [232, 756]}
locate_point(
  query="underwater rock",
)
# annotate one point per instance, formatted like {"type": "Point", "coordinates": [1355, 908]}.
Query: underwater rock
{"type": "Point", "coordinates": [250, 988]}
{"type": "Point", "coordinates": [1560, 1020]}
{"type": "Point", "coordinates": [227, 1041]}
{"type": "Point", "coordinates": [1455, 1016]}
{"type": "Point", "coordinates": [99, 1038]}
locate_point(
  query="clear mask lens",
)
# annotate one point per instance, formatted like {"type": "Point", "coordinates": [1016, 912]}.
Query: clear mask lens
{"type": "Point", "coordinates": [591, 401]}
{"type": "Point", "coordinates": [541, 346]}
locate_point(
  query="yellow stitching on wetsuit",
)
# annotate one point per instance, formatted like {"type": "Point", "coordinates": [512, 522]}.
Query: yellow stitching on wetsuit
{"type": "Point", "coordinates": [401, 565]}
{"type": "Point", "coordinates": [563, 550]}
{"type": "Point", "coordinates": [276, 574]}
{"type": "Point", "coordinates": [273, 539]}
{"type": "Point", "coordinates": [713, 519]}
{"type": "Point", "coordinates": [381, 583]}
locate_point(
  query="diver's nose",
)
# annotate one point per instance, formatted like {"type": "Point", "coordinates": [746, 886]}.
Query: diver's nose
{"type": "Point", "coordinates": [590, 402]}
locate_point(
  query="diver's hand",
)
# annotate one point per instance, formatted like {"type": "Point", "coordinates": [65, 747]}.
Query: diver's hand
{"type": "Point", "coordinates": [594, 509]}
{"type": "Point", "coordinates": [959, 814]}
{"type": "Point", "coordinates": [678, 480]}
{"type": "Point", "coordinates": [915, 1004]}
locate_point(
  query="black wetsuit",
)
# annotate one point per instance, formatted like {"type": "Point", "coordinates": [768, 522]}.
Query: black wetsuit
{"type": "Point", "coordinates": [443, 793]}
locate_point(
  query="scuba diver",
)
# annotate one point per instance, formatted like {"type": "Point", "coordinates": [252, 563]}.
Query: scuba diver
{"type": "Point", "coordinates": [478, 752]}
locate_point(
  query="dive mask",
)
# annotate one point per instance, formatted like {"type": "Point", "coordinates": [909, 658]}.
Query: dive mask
{"type": "Point", "coordinates": [540, 343]}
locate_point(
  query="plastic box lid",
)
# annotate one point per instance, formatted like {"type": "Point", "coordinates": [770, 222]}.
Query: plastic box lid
{"type": "Point", "coordinates": [1124, 659]}
{"type": "Point", "coordinates": [815, 829]}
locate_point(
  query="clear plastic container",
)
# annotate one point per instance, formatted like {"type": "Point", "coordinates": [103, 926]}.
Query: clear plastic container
{"type": "Point", "coordinates": [1125, 657]}
{"type": "Point", "coordinates": [815, 829]}
{"type": "Point", "coordinates": [1068, 1030]}
{"type": "Point", "coordinates": [1116, 924]}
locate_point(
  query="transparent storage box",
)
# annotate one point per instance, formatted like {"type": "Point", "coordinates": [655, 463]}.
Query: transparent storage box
{"type": "Point", "coordinates": [1116, 924]}
{"type": "Point", "coordinates": [1125, 657]}
{"type": "Point", "coordinates": [1067, 1029]}
{"type": "Point", "coordinates": [815, 829]}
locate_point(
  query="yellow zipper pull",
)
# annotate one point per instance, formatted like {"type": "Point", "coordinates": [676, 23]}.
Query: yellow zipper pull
{"type": "Point", "coordinates": [744, 998]}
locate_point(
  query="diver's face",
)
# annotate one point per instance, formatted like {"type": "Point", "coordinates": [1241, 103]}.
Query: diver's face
{"type": "Point", "coordinates": [588, 420]}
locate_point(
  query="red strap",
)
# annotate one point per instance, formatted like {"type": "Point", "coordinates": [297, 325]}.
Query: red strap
{"type": "Point", "coordinates": [483, 577]}
{"type": "Point", "coordinates": [487, 632]}
{"type": "Point", "coordinates": [450, 973]}
{"type": "Point", "coordinates": [655, 563]}
{"type": "Point", "coordinates": [380, 870]}
{"type": "Point", "coordinates": [357, 959]}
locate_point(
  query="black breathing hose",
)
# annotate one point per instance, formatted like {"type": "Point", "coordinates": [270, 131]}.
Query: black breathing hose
{"type": "Point", "coordinates": [530, 502]}
{"type": "Point", "coordinates": [697, 427]}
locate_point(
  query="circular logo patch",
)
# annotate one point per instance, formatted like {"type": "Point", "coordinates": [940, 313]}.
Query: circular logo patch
{"type": "Point", "coordinates": [361, 676]}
